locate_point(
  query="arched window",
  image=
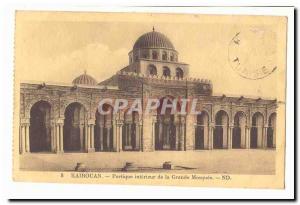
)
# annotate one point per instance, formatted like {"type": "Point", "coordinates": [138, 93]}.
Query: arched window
{"type": "Point", "coordinates": [152, 70]}
{"type": "Point", "coordinates": [179, 73]}
{"type": "Point", "coordinates": [164, 56]}
{"type": "Point", "coordinates": [145, 54]}
{"type": "Point", "coordinates": [154, 55]}
{"type": "Point", "coordinates": [166, 71]}
{"type": "Point", "coordinates": [172, 57]}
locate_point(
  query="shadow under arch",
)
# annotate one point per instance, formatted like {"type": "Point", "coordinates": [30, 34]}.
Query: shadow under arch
{"type": "Point", "coordinates": [74, 129]}
{"type": "Point", "coordinates": [40, 127]}
{"type": "Point", "coordinates": [220, 139]}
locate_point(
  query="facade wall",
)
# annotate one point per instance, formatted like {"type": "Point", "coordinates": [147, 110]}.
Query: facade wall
{"type": "Point", "coordinates": [59, 97]}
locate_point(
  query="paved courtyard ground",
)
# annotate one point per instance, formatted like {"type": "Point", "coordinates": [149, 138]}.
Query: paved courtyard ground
{"type": "Point", "coordinates": [205, 161]}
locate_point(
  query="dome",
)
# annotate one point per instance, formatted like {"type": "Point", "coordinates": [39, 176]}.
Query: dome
{"type": "Point", "coordinates": [84, 79]}
{"type": "Point", "coordinates": [153, 40]}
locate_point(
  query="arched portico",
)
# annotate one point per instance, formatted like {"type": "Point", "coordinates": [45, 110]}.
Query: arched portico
{"type": "Point", "coordinates": [239, 131]}
{"type": "Point", "coordinates": [130, 132]}
{"type": "Point", "coordinates": [221, 130]}
{"type": "Point", "coordinates": [201, 132]}
{"type": "Point", "coordinates": [256, 132]}
{"type": "Point", "coordinates": [74, 129]}
{"type": "Point", "coordinates": [40, 127]}
{"type": "Point", "coordinates": [168, 128]}
{"type": "Point", "coordinates": [104, 129]}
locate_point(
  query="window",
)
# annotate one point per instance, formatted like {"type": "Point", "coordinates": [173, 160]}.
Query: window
{"type": "Point", "coordinates": [164, 56]}
{"type": "Point", "coordinates": [166, 72]}
{"type": "Point", "coordinates": [179, 73]}
{"type": "Point", "coordinates": [152, 70]}
{"type": "Point", "coordinates": [154, 55]}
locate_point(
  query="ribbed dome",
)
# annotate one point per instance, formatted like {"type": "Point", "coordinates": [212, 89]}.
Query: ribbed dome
{"type": "Point", "coordinates": [84, 79]}
{"type": "Point", "coordinates": [153, 40]}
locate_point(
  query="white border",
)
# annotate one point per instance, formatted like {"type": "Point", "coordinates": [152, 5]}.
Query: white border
{"type": "Point", "coordinates": [10, 189]}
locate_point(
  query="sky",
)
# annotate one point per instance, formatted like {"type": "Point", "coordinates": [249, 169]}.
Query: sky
{"type": "Point", "coordinates": [58, 47]}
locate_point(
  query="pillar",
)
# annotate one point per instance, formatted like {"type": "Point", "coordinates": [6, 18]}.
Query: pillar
{"type": "Point", "coordinates": [230, 137]}
{"type": "Point", "coordinates": [53, 137]}
{"type": "Point", "coordinates": [148, 139]}
{"type": "Point", "coordinates": [211, 136]}
{"type": "Point", "coordinates": [59, 138]}
{"type": "Point", "coordinates": [265, 137]}
{"type": "Point", "coordinates": [90, 135]}
{"type": "Point", "coordinates": [180, 132]}
{"type": "Point", "coordinates": [190, 132]}
{"type": "Point", "coordinates": [248, 136]}
{"type": "Point", "coordinates": [115, 135]}
{"type": "Point", "coordinates": [81, 128]}
{"type": "Point", "coordinates": [24, 135]}
{"type": "Point", "coordinates": [119, 129]}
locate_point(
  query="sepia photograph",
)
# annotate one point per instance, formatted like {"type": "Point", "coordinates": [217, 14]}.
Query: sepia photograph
{"type": "Point", "coordinates": [149, 98]}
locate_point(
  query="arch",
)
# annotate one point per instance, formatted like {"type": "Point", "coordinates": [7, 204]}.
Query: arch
{"type": "Point", "coordinates": [239, 130]}
{"type": "Point", "coordinates": [40, 127]}
{"type": "Point", "coordinates": [152, 70]}
{"type": "Point", "coordinates": [154, 55]}
{"type": "Point", "coordinates": [166, 71]}
{"type": "Point", "coordinates": [179, 73]}
{"type": "Point", "coordinates": [256, 132]}
{"type": "Point", "coordinates": [75, 127]}
{"type": "Point", "coordinates": [130, 131]}
{"type": "Point", "coordinates": [201, 132]}
{"type": "Point", "coordinates": [164, 56]}
{"type": "Point", "coordinates": [165, 128]}
{"type": "Point", "coordinates": [221, 130]}
{"type": "Point", "coordinates": [103, 137]}
{"type": "Point", "coordinates": [271, 131]}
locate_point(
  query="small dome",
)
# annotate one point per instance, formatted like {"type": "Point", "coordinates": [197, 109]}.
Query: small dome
{"type": "Point", "coordinates": [153, 40]}
{"type": "Point", "coordinates": [84, 79]}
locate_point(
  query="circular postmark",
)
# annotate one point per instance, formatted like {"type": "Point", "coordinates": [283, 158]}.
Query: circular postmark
{"type": "Point", "coordinates": [252, 53]}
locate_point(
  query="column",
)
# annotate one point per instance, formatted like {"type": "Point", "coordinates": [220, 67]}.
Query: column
{"type": "Point", "coordinates": [81, 128]}
{"type": "Point", "coordinates": [53, 137]}
{"type": "Point", "coordinates": [230, 137]}
{"type": "Point", "coordinates": [190, 132]}
{"type": "Point", "coordinates": [148, 132]}
{"type": "Point", "coordinates": [61, 136]}
{"type": "Point", "coordinates": [27, 138]}
{"type": "Point", "coordinates": [140, 135]}
{"type": "Point", "coordinates": [211, 136]}
{"type": "Point", "coordinates": [24, 136]}
{"type": "Point", "coordinates": [265, 137]}
{"type": "Point", "coordinates": [115, 135]}
{"type": "Point", "coordinates": [119, 129]}
{"type": "Point", "coordinates": [90, 135]}
{"type": "Point", "coordinates": [248, 137]}
{"type": "Point", "coordinates": [181, 122]}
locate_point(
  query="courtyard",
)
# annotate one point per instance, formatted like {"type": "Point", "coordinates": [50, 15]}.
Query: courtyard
{"type": "Point", "coordinates": [233, 161]}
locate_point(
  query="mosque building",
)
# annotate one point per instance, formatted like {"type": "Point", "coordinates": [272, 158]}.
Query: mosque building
{"type": "Point", "coordinates": [59, 118]}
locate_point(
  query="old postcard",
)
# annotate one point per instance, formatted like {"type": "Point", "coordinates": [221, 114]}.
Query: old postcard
{"type": "Point", "coordinates": [150, 99]}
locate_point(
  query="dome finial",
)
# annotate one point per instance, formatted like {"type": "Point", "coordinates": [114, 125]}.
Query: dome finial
{"type": "Point", "coordinates": [84, 71]}
{"type": "Point", "coordinates": [153, 29]}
